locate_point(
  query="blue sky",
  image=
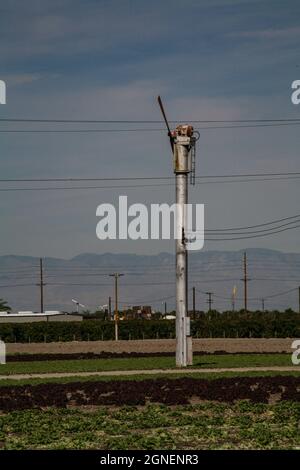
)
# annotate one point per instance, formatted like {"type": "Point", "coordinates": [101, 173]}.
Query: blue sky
{"type": "Point", "coordinates": [109, 60]}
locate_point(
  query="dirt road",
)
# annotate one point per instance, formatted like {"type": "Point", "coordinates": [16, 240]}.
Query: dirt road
{"type": "Point", "coordinates": [116, 373]}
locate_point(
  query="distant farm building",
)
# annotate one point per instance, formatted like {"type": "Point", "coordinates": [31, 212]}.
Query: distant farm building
{"type": "Point", "coordinates": [138, 312]}
{"type": "Point", "coordinates": [30, 317]}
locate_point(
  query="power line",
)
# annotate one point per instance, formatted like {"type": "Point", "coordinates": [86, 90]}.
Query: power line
{"type": "Point", "coordinates": [17, 285]}
{"type": "Point", "coordinates": [143, 178]}
{"type": "Point", "coordinates": [101, 131]}
{"type": "Point", "coordinates": [281, 293]}
{"type": "Point", "coordinates": [147, 301]}
{"type": "Point", "coordinates": [97, 284]}
{"type": "Point", "coordinates": [85, 187]}
{"type": "Point", "coordinates": [134, 186]}
{"type": "Point", "coordinates": [247, 232]}
{"type": "Point", "coordinates": [145, 121]}
{"type": "Point", "coordinates": [287, 279]}
{"type": "Point", "coordinates": [253, 236]}
{"type": "Point", "coordinates": [272, 222]}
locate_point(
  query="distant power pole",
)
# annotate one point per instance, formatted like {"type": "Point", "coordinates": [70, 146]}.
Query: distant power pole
{"type": "Point", "coordinates": [209, 300]}
{"type": "Point", "coordinates": [194, 303]}
{"type": "Point", "coordinates": [245, 280]}
{"type": "Point", "coordinates": [116, 316]}
{"type": "Point", "coordinates": [233, 297]}
{"type": "Point", "coordinates": [165, 308]}
{"type": "Point", "coordinates": [263, 305]}
{"type": "Point", "coordinates": [41, 285]}
{"type": "Point", "coordinates": [299, 299]}
{"type": "Point", "coordinates": [109, 307]}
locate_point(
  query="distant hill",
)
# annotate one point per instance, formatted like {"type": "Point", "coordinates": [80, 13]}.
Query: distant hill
{"type": "Point", "coordinates": [150, 280]}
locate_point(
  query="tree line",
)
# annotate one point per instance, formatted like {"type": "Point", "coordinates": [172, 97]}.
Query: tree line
{"type": "Point", "coordinates": [206, 325]}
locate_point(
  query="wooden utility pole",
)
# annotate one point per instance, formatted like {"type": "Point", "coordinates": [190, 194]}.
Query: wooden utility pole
{"type": "Point", "coordinates": [116, 316]}
{"type": "Point", "coordinates": [165, 308]}
{"type": "Point", "coordinates": [245, 280]}
{"type": "Point", "coordinates": [41, 285]}
{"type": "Point", "coordinates": [209, 300]}
{"type": "Point", "coordinates": [109, 307]}
{"type": "Point", "coordinates": [194, 303]}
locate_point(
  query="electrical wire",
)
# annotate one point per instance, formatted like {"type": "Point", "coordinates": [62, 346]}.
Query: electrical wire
{"type": "Point", "coordinates": [17, 285]}
{"type": "Point", "coordinates": [142, 129]}
{"type": "Point", "coordinates": [281, 293]}
{"type": "Point", "coordinates": [272, 222]}
{"type": "Point", "coordinates": [66, 188]}
{"type": "Point", "coordinates": [143, 178]}
{"type": "Point", "coordinates": [247, 232]}
{"type": "Point", "coordinates": [109, 285]}
{"type": "Point", "coordinates": [144, 121]}
{"type": "Point", "coordinates": [253, 236]}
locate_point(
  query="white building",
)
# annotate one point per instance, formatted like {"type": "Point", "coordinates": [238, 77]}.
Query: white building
{"type": "Point", "coordinates": [30, 317]}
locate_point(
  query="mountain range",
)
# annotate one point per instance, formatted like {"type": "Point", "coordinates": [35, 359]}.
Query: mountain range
{"type": "Point", "coordinates": [150, 280]}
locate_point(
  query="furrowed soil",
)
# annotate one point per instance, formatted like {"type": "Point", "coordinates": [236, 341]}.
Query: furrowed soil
{"type": "Point", "coordinates": [180, 391]}
{"type": "Point", "coordinates": [209, 345]}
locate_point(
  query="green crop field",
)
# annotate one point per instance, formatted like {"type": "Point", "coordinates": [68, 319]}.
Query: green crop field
{"type": "Point", "coordinates": [96, 378]}
{"type": "Point", "coordinates": [139, 363]}
{"type": "Point", "coordinates": [201, 426]}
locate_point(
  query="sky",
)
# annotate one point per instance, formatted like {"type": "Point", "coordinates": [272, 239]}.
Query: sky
{"type": "Point", "coordinates": [108, 60]}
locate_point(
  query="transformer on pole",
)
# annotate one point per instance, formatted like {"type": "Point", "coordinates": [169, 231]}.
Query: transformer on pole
{"type": "Point", "coordinates": [183, 142]}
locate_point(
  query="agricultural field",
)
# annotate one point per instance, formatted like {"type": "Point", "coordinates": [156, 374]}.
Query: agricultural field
{"type": "Point", "coordinates": [150, 346]}
{"type": "Point", "coordinates": [242, 425]}
{"type": "Point", "coordinates": [143, 363]}
{"type": "Point", "coordinates": [165, 409]}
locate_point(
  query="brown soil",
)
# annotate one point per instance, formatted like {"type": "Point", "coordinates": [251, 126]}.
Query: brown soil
{"type": "Point", "coordinates": [109, 355]}
{"type": "Point", "coordinates": [210, 345]}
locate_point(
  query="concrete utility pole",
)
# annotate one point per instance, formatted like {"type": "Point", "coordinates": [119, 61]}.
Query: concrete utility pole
{"type": "Point", "coordinates": [41, 285]}
{"type": "Point", "coordinates": [245, 280]}
{"type": "Point", "coordinates": [209, 300]}
{"type": "Point", "coordinates": [182, 141]}
{"type": "Point", "coordinates": [116, 316]}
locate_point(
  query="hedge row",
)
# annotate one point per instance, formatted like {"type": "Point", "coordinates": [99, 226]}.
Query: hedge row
{"type": "Point", "coordinates": [216, 326]}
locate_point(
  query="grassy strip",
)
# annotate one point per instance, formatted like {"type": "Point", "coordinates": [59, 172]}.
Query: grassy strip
{"type": "Point", "coordinates": [93, 378]}
{"type": "Point", "coordinates": [203, 426]}
{"type": "Point", "coordinates": [93, 365]}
